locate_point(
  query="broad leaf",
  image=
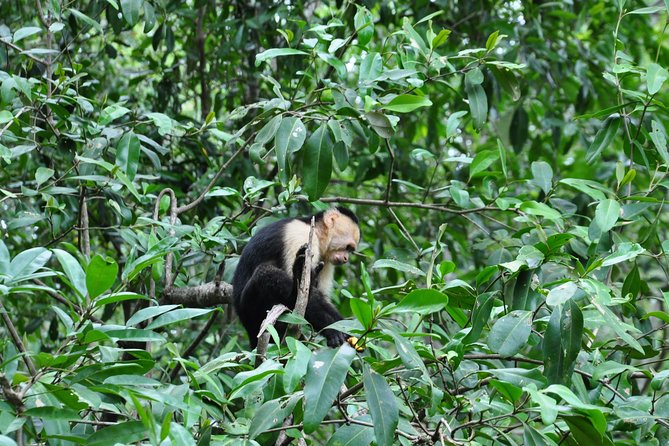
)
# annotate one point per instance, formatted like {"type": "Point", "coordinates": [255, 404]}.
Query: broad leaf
{"type": "Point", "coordinates": [325, 375]}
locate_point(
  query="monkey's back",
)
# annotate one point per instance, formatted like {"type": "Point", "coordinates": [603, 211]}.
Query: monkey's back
{"type": "Point", "coordinates": [266, 246]}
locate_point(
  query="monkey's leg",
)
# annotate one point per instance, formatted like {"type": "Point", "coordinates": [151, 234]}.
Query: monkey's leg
{"type": "Point", "coordinates": [267, 287]}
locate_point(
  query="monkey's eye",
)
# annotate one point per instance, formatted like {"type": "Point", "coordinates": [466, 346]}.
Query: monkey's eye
{"type": "Point", "coordinates": [350, 248]}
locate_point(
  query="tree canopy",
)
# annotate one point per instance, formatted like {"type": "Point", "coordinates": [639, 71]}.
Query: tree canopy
{"type": "Point", "coordinates": [507, 160]}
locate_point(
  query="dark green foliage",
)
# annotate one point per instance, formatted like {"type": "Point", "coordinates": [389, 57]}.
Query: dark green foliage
{"type": "Point", "coordinates": [508, 162]}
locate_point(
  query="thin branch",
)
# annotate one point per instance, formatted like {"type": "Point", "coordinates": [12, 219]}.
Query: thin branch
{"type": "Point", "coordinates": [408, 204]}
{"type": "Point", "coordinates": [85, 239]}
{"type": "Point", "coordinates": [350, 421]}
{"type": "Point", "coordinates": [23, 53]}
{"type": "Point", "coordinates": [17, 340]}
{"type": "Point", "coordinates": [224, 167]}
{"type": "Point", "coordinates": [391, 153]}
{"type": "Point", "coordinates": [200, 337]}
{"type": "Point", "coordinates": [302, 298]}
{"type": "Point", "coordinates": [202, 296]}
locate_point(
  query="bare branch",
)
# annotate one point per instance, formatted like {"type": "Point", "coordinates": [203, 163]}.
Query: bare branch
{"type": "Point", "coordinates": [202, 296]}
{"type": "Point", "coordinates": [408, 204]}
{"type": "Point", "coordinates": [302, 298]}
{"type": "Point", "coordinates": [17, 340]}
{"type": "Point", "coordinates": [224, 167]}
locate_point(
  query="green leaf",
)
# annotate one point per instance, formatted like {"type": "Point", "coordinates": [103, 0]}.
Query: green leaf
{"type": "Point", "coordinates": [149, 312]}
{"type": "Point", "coordinates": [571, 328]}
{"type": "Point", "coordinates": [352, 435]}
{"type": "Point", "coordinates": [593, 189]}
{"type": "Point", "coordinates": [317, 167]}
{"type": "Point", "coordinates": [415, 39]}
{"type": "Point", "coordinates": [362, 311]}
{"type": "Point", "coordinates": [422, 301]}
{"type": "Point", "coordinates": [547, 405]}
{"type": "Point", "coordinates": [162, 121]}
{"type": "Point", "coordinates": [24, 32]}
{"type": "Point", "coordinates": [269, 130]}
{"type": "Point", "coordinates": [540, 209]}
{"type": "Point", "coordinates": [482, 160]}
{"type": "Point", "coordinates": [272, 413]}
{"type": "Point", "coordinates": [480, 316]}
{"type": "Point", "coordinates": [27, 262]}
{"type": "Point", "coordinates": [603, 138]}
{"type": "Point", "coordinates": [399, 266]}
{"type": "Point", "coordinates": [5, 116]}
{"type": "Point", "coordinates": [655, 77]}
{"type": "Point", "coordinates": [128, 432]}
{"type": "Point", "coordinates": [277, 52]}
{"type": "Point", "coordinates": [382, 406]}
{"type": "Point", "coordinates": [131, 9]}
{"type": "Point", "coordinates": [646, 10]}
{"type": "Point", "coordinates": [561, 294]}
{"type": "Point", "coordinates": [371, 67]}
{"type": "Point", "coordinates": [624, 251]}
{"type": "Point", "coordinates": [100, 275]}
{"type": "Point", "coordinates": [440, 38]}
{"type": "Point", "coordinates": [290, 137]}
{"type": "Point", "coordinates": [659, 379]}
{"type": "Point", "coordinates": [543, 175]}
{"type": "Point", "coordinates": [73, 270]}
{"type": "Point", "coordinates": [583, 431]}
{"type": "Point", "coordinates": [380, 124]}
{"type": "Point", "coordinates": [131, 334]}
{"type": "Point", "coordinates": [406, 103]}
{"type": "Point", "coordinates": [85, 20]}
{"type": "Point", "coordinates": [127, 154]}
{"type": "Point", "coordinates": [478, 101]}
{"type": "Point", "coordinates": [659, 139]}
{"type": "Point", "coordinates": [518, 132]}
{"type": "Point", "coordinates": [42, 174]}
{"type": "Point", "coordinates": [407, 352]}
{"type": "Point", "coordinates": [510, 333]}
{"type": "Point", "coordinates": [520, 377]}
{"type": "Point", "coordinates": [325, 375]}
{"type": "Point", "coordinates": [182, 314]}
{"type": "Point", "coordinates": [296, 368]}
{"type": "Point", "coordinates": [53, 413]}
{"type": "Point", "coordinates": [606, 216]}
{"type": "Point", "coordinates": [112, 113]}
{"type": "Point", "coordinates": [364, 25]}
{"type": "Point", "coordinates": [149, 17]}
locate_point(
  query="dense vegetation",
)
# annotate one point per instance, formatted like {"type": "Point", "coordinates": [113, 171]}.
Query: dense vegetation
{"type": "Point", "coordinates": [508, 161]}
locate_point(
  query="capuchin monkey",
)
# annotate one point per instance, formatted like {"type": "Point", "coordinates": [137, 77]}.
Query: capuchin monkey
{"type": "Point", "coordinates": [271, 264]}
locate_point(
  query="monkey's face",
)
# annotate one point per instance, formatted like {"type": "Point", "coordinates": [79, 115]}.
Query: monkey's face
{"type": "Point", "coordinates": [344, 238]}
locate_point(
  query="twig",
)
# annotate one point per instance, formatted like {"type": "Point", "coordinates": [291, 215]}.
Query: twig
{"type": "Point", "coordinates": [11, 396]}
{"type": "Point", "coordinates": [17, 340]}
{"type": "Point", "coordinates": [224, 167]}
{"type": "Point", "coordinates": [413, 412]}
{"type": "Point", "coordinates": [351, 421]}
{"type": "Point", "coordinates": [200, 40]}
{"type": "Point", "coordinates": [85, 240]}
{"type": "Point", "coordinates": [200, 337]}
{"type": "Point", "coordinates": [202, 296]}
{"type": "Point", "coordinates": [302, 298]}
{"type": "Point", "coordinates": [408, 204]}
{"type": "Point", "coordinates": [391, 170]}
{"type": "Point", "coordinates": [21, 52]}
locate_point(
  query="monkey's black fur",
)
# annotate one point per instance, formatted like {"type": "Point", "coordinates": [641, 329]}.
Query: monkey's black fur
{"type": "Point", "coordinates": [261, 281]}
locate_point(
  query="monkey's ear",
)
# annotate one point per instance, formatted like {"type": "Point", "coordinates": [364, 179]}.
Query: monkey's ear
{"type": "Point", "coordinates": [330, 218]}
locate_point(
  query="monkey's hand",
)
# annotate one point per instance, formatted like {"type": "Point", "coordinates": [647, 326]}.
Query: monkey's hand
{"type": "Point", "coordinates": [354, 342]}
{"type": "Point", "coordinates": [298, 266]}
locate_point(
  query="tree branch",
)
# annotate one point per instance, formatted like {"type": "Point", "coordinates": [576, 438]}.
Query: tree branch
{"type": "Point", "coordinates": [17, 340]}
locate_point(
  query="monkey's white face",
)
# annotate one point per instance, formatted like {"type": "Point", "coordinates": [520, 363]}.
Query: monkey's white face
{"type": "Point", "coordinates": [344, 239]}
